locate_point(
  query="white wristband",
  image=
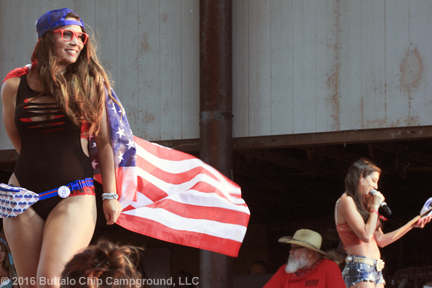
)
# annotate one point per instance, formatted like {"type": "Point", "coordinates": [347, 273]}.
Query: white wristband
{"type": "Point", "coordinates": [109, 196]}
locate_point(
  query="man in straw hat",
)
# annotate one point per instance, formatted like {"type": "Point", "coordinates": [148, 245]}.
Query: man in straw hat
{"type": "Point", "coordinates": [306, 266]}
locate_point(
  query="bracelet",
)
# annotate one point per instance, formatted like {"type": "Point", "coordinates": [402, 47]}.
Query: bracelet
{"type": "Point", "coordinates": [109, 196]}
{"type": "Point", "coordinates": [375, 211]}
{"type": "Point", "coordinates": [380, 216]}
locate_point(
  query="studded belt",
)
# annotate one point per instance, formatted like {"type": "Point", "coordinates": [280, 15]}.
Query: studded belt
{"type": "Point", "coordinates": [378, 264]}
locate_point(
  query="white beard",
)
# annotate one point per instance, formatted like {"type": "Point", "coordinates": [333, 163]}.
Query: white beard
{"type": "Point", "coordinates": [294, 265]}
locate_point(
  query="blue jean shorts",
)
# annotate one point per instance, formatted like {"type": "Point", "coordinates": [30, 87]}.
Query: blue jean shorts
{"type": "Point", "coordinates": [354, 273]}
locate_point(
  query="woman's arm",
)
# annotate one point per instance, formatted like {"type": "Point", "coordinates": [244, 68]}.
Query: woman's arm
{"type": "Point", "coordinates": [388, 238]}
{"type": "Point", "coordinates": [348, 209]}
{"type": "Point", "coordinates": [112, 208]}
{"type": "Point", "coordinates": [8, 94]}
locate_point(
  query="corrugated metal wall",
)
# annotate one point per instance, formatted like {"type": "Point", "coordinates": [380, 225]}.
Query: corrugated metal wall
{"type": "Point", "coordinates": [306, 66]}
{"type": "Point", "coordinates": [300, 66]}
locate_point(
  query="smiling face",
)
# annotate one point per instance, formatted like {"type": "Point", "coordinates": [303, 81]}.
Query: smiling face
{"type": "Point", "coordinates": [68, 52]}
{"type": "Point", "coordinates": [369, 183]}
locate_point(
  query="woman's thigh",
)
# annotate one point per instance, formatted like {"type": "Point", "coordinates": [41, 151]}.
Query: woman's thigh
{"type": "Point", "coordinates": [24, 235]}
{"type": "Point", "coordinates": [68, 229]}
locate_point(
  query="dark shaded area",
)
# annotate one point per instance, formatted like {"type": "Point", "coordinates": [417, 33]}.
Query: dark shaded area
{"type": "Point", "coordinates": [292, 188]}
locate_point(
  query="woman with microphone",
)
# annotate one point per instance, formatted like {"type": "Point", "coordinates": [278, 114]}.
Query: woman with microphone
{"type": "Point", "coordinates": [359, 226]}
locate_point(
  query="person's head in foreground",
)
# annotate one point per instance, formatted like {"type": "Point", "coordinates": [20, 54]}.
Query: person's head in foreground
{"type": "Point", "coordinates": [103, 265]}
{"type": "Point", "coordinates": [305, 250]}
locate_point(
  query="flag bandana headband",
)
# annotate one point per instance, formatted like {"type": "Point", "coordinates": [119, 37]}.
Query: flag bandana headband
{"type": "Point", "coordinates": [16, 200]}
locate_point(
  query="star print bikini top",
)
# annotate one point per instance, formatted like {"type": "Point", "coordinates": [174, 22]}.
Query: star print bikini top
{"type": "Point", "coordinates": [51, 152]}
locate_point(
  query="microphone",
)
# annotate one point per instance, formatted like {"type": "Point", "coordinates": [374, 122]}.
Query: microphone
{"type": "Point", "coordinates": [384, 205]}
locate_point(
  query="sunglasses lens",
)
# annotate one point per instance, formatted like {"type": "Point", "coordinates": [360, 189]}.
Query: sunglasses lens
{"type": "Point", "coordinates": [82, 38]}
{"type": "Point", "coordinates": [67, 35]}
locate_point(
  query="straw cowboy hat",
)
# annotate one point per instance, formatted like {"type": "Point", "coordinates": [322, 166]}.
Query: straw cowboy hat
{"type": "Point", "coordinates": [305, 238]}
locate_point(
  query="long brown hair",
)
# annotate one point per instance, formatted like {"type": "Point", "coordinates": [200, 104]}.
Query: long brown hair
{"type": "Point", "coordinates": [79, 91]}
{"type": "Point", "coordinates": [361, 168]}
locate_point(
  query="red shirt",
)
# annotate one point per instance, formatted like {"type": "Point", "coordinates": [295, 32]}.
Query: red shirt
{"type": "Point", "coordinates": [324, 274]}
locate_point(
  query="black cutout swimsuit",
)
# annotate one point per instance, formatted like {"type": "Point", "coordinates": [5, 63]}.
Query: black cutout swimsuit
{"type": "Point", "coordinates": [51, 153]}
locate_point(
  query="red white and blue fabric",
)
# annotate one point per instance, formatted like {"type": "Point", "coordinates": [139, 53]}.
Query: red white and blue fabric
{"type": "Point", "coordinates": [170, 195]}
{"type": "Point", "coordinates": [15, 200]}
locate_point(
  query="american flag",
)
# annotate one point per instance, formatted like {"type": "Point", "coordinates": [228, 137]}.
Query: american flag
{"type": "Point", "coordinates": [170, 195]}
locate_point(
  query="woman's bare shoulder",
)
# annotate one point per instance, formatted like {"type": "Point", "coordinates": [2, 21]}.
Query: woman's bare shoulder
{"type": "Point", "coordinates": [345, 200]}
{"type": "Point", "coordinates": [10, 89]}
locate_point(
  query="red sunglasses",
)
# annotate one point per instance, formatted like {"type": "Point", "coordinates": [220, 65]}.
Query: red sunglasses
{"type": "Point", "coordinates": [68, 35]}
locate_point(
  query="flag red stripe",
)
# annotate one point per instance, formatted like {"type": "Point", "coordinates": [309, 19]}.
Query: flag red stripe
{"type": "Point", "coordinates": [193, 239]}
{"type": "Point", "coordinates": [149, 190]}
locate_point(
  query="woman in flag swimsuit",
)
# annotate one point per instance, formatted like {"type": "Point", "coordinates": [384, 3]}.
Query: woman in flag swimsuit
{"type": "Point", "coordinates": [48, 113]}
{"type": "Point", "coordinates": [358, 226]}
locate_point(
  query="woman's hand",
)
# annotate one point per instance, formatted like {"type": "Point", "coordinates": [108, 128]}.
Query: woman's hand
{"type": "Point", "coordinates": [112, 209]}
{"type": "Point", "coordinates": [378, 198]}
{"type": "Point", "coordinates": [423, 221]}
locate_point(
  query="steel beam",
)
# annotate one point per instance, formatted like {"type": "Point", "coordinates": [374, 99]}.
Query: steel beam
{"type": "Point", "coordinates": [216, 116]}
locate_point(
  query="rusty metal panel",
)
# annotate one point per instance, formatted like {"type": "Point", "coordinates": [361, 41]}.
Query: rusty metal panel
{"type": "Point", "coordinates": [397, 69]}
{"type": "Point", "coordinates": [240, 66]}
{"type": "Point", "coordinates": [285, 53]}
{"type": "Point", "coordinates": [170, 65]}
{"type": "Point", "coordinates": [346, 65]}
{"type": "Point", "coordinates": [157, 71]}
{"type": "Point", "coordinates": [190, 73]}
{"type": "Point", "coordinates": [17, 39]}
{"type": "Point", "coordinates": [127, 58]}
{"type": "Point", "coordinates": [5, 53]}
{"type": "Point", "coordinates": [259, 85]}
{"type": "Point", "coordinates": [418, 55]}
{"type": "Point", "coordinates": [147, 119]}
{"type": "Point", "coordinates": [350, 68]}
{"type": "Point", "coordinates": [105, 19]}
{"type": "Point", "coordinates": [281, 74]}
{"type": "Point", "coordinates": [373, 65]}
{"type": "Point", "coordinates": [327, 65]}
{"type": "Point", "coordinates": [304, 55]}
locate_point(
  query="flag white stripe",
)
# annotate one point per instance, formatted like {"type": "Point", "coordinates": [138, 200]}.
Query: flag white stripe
{"type": "Point", "coordinates": [213, 228]}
